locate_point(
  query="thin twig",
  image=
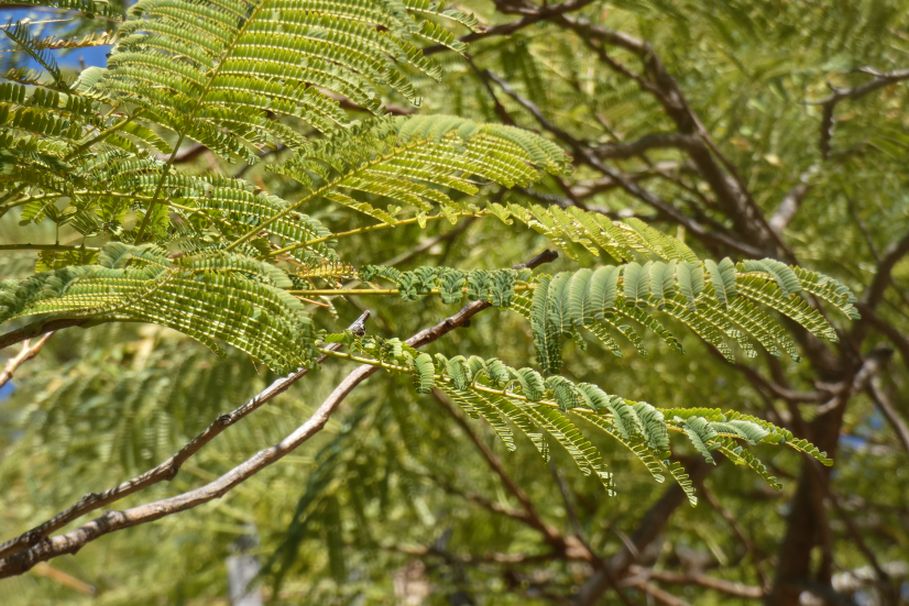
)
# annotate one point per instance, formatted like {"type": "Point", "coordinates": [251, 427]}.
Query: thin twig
{"type": "Point", "coordinates": [884, 273]}
{"type": "Point", "coordinates": [717, 170]}
{"type": "Point", "coordinates": [581, 150]}
{"type": "Point", "coordinates": [428, 243]}
{"type": "Point", "coordinates": [168, 469]}
{"type": "Point", "coordinates": [71, 542]}
{"type": "Point", "coordinates": [880, 80]}
{"type": "Point", "coordinates": [494, 464]}
{"type": "Point", "coordinates": [630, 149]}
{"type": "Point", "coordinates": [50, 247]}
{"type": "Point", "coordinates": [29, 351]}
{"type": "Point", "coordinates": [490, 505]}
{"type": "Point", "coordinates": [792, 201]}
{"type": "Point", "coordinates": [507, 559]}
{"type": "Point", "coordinates": [62, 578]}
{"type": "Point", "coordinates": [506, 29]}
{"type": "Point", "coordinates": [659, 595]}
{"type": "Point", "coordinates": [529, 514]}
{"type": "Point", "coordinates": [859, 542]}
{"type": "Point", "coordinates": [882, 400]}
{"type": "Point", "coordinates": [739, 533]}
{"type": "Point", "coordinates": [35, 329]}
{"type": "Point", "coordinates": [649, 528]}
{"type": "Point", "coordinates": [702, 580]}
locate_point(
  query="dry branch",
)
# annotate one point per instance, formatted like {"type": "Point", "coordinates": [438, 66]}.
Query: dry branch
{"type": "Point", "coordinates": [29, 351]}
{"type": "Point", "coordinates": [167, 469]}
{"type": "Point", "coordinates": [71, 542]}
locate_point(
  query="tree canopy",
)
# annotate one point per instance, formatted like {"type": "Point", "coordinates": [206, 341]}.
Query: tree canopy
{"type": "Point", "coordinates": [479, 303]}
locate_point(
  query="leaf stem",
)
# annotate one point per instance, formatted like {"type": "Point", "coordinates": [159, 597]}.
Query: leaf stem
{"type": "Point", "coordinates": [338, 292]}
{"type": "Point", "coordinates": [164, 172]}
{"type": "Point", "coordinates": [336, 182]}
{"type": "Point", "coordinates": [58, 247]}
{"type": "Point", "coordinates": [102, 135]}
{"type": "Point", "coordinates": [366, 229]}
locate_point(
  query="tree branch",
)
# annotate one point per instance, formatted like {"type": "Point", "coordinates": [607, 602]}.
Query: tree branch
{"type": "Point", "coordinates": [717, 170]}
{"type": "Point", "coordinates": [883, 402]}
{"type": "Point", "coordinates": [807, 524]}
{"type": "Point", "coordinates": [112, 521]}
{"type": "Point", "coordinates": [168, 469]}
{"type": "Point", "coordinates": [506, 559]}
{"type": "Point", "coordinates": [649, 528]}
{"type": "Point", "coordinates": [589, 157]}
{"type": "Point", "coordinates": [702, 580]}
{"type": "Point", "coordinates": [532, 516]}
{"type": "Point", "coordinates": [647, 142]}
{"type": "Point", "coordinates": [505, 29]}
{"type": "Point", "coordinates": [792, 201]}
{"type": "Point", "coordinates": [739, 532]}
{"type": "Point", "coordinates": [66, 580]}
{"type": "Point", "coordinates": [858, 540]}
{"type": "Point", "coordinates": [29, 351]}
{"type": "Point", "coordinates": [38, 328]}
{"type": "Point", "coordinates": [659, 596]}
{"type": "Point", "coordinates": [897, 338]}
{"type": "Point", "coordinates": [874, 294]}
{"type": "Point", "coordinates": [569, 547]}
{"type": "Point", "coordinates": [880, 80]}
{"type": "Point", "coordinates": [884, 273]}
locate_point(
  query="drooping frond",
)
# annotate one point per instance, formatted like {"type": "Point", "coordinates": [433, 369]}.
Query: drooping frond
{"type": "Point", "coordinates": [577, 232]}
{"type": "Point", "coordinates": [412, 163]}
{"type": "Point", "coordinates": [18, 32]}
{"type": "Point", "coordinates": [395, 164]}
{"type": "Point", "coordinates": [546, 408]}
{"type": "Point", "coordinates": [220, 72]}
{"type": "Point", "coordinates": [212, 297]}
{"type": "Point", "coordinates": [208, 210]}
{"type": "Point", "coordinates": [721, 302]}
{"type": "Point", "coordinates": [415, 165]}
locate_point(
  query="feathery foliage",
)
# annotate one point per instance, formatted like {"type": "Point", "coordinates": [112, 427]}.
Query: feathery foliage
{"type": "Point", "coordinates": [231, 173]}
{"type": "Point", "coordinates": [232, 264]}
{"type": "Point", "coordinates": [546, 408]}
{"type": "Point", "coordinates": [220, 72]}
{"type": "Point", "coordinates": [210, 297]}
{"type": "Point", "coordinates": [720, 302]}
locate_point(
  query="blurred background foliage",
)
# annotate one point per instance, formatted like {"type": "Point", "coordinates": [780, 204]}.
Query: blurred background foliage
{"type": "Point", "coordinates": [391, 504]}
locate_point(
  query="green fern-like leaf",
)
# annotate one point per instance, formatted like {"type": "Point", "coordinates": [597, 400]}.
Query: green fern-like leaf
{"type": "Point", "coordinates": [212, 298]}
{"type": "Point", "coordinates": [733, 306]}
{"type": "Point", "coordinates": [722, 276]}
{"type": "Point", "coordinates": [409, 163]}
{"type": "Point", "coordinates": [218, 73]}
{"type": "Point", "coordinates": [19, 34]}
{"type": "Point", "coordinates": [545, 409]}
